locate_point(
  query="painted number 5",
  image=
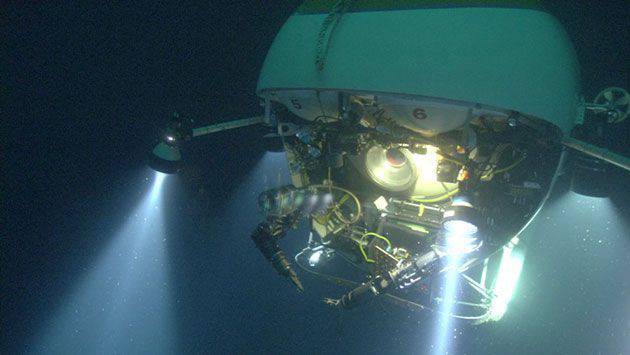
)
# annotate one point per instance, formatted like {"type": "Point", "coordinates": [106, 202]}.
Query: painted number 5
{"type": "Point", "coordinates": [419, 114]}
{"type": "Point", "coordinates": [296, 104]}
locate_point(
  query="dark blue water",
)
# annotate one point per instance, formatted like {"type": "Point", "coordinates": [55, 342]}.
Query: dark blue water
{"type": "Point", "coordinates": [97, 258]}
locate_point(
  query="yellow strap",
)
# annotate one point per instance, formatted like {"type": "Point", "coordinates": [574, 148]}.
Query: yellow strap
{"type": "Point", "coordinates": [389, 244]}
{"type": "Point", "coordinates": [435, 198]}
{"type": "Point", "coordinates": [326, 217]}
{"type": "Point", "coordinates": [343, 200]}
{"type": "Point", "coordinates": [491, 174]}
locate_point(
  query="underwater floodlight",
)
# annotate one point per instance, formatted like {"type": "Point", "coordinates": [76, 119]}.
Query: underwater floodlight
{"type": "Point", "coordinates": [590, 176]}
{"type": "Point", "coordinates": [507, 278]}
{"type": "Point", "coordinates": [319, 256]}
{"type": "Point", "coordinates": [427, 164]}
{"type": "Point", "coordinates": [165, 158]}
{"type": "Point", "coordinates": [460, 226]}
{"type": "Point", "coordinates": [461, 217]}
{"type": "Point", "coordinates": [314, 259]}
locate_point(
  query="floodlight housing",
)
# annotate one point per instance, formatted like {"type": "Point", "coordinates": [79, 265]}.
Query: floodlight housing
{"type": "Point", "coordinates": [165, 158]}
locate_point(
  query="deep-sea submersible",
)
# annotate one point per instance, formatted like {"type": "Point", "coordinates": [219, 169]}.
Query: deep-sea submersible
{"type": "Point", "coordinates": [418, 132]}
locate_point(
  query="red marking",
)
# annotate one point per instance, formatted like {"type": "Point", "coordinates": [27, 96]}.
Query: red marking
{"type": "Point", "coordinates": [395, 158]}
{"type": "Point", "coordinates": [463, 175]}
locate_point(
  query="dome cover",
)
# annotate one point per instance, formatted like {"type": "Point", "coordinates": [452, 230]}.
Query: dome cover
{"type": "Point", "coordinates": [506, 55]}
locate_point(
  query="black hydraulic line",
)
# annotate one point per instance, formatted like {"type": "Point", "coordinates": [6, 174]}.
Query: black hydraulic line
{"type": "Point", "coordinates": [355, 297]}
{"type": "Point", "coordinates": [361, 293]}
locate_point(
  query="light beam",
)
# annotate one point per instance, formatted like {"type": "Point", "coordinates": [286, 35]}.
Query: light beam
{"type": "Point", "coordinates": [449, 291]}
{"type": "Point", "coordinates": [122, 305]}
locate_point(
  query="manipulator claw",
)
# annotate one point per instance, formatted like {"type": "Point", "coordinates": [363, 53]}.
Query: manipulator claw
{"type": "Point", "coordinates": [266, 236]}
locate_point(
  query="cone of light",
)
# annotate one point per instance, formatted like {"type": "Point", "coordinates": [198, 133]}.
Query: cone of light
{"type": "Point", "coordinates": [122, 304]}
{"type": "Point", "coordinates": [459, 237]}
